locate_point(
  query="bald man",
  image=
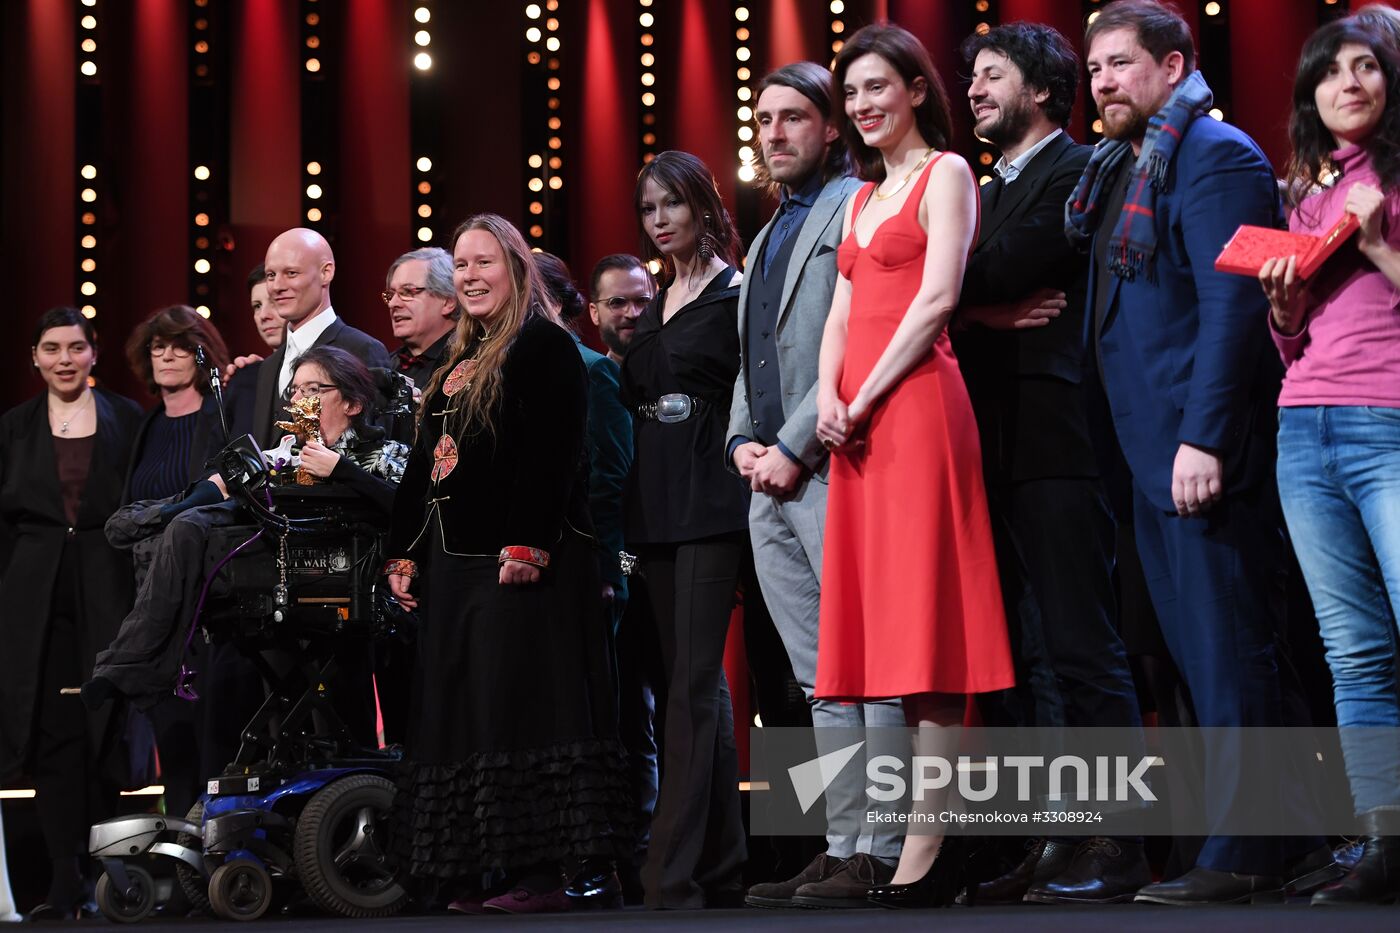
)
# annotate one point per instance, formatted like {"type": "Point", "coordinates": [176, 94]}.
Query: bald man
{"type": "Point", "coordinates": [300, 267]}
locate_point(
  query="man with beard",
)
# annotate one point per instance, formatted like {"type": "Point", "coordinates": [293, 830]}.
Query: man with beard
{"type": "Point", "coordinates": [621, 288]}
{"type": "Point", "coordinates": [1192, 384]}
{"type": "Point", "coordinates": [773, 445]}
{"type": "Point", "coordinates": [1020, 349]}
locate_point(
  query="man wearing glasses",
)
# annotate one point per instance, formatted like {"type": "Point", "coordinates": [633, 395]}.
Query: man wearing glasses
{"type": "Point", "coordinates": [422, 311]}
{"type": "Point", "coordinates": [622, 288]}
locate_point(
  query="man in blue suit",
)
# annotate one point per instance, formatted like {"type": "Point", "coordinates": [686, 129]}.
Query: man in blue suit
{"type": "Point", "coordinates": [1191, 381]}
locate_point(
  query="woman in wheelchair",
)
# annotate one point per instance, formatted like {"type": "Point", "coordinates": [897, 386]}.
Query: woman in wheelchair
{"type": "Point", "coordinates": [169, 535]}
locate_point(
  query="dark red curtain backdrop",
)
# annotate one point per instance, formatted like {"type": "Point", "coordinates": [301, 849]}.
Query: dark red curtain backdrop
{"type": "Point", "coordinates": [478, 110]}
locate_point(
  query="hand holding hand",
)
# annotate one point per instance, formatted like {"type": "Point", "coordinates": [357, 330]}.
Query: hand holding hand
{"type": "Point", "coordinates": [776, 474]}
{"type": "Point", "coordinates": [746, 457]}
{"type": "Point", "coordinates": [318, 459]}
{"type": "Point", "coordinates": [833, 421]}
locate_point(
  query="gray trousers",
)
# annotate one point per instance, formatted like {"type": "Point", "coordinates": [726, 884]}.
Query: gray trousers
{"type": "Point", "coordinates": [787, 553]}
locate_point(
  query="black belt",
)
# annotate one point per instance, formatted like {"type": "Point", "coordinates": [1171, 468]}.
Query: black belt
{"type": "Point", "coordinates": [671, 408]}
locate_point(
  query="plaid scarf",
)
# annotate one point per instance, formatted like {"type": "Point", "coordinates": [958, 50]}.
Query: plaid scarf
{"type": "Point", "coordinates": [1134, 240]}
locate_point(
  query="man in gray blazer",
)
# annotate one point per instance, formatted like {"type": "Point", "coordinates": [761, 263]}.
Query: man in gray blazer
{"type": "Point", "coordinates": [788, 281]}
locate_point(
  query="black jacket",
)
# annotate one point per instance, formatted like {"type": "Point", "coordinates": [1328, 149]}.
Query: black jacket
{"type": "Point", "coordinates": [267, 403]}
{"type": "Point", "coordinates": [34, 520]}
{"type": "Point", "coordinates": [1026, 385]}
{"type": "Point", "coordinates": [517, 486]}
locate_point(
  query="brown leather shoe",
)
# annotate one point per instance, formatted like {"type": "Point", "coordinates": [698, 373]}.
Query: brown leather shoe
{"type": "Point", "coordinates": [779, 893]}
{"type": "Point", "coordinates": [848, 887]}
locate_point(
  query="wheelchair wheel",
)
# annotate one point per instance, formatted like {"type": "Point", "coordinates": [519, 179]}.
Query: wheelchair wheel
{"type": "Point", "coordinates": [192, 883]}
{"type": "Point", "coordinates": [130, 906]}
{"type": "Point", "coordinates": [340, 860]}
{"type": "Point", "coordinates": [240, 890]}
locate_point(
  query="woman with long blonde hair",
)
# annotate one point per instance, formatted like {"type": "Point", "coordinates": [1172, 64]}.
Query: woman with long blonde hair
{"type": "Point", "coordinates": [513, 769]}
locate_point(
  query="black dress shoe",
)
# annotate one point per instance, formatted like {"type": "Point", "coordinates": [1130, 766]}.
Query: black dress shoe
{"type": "Point", "coordinates": [1375, 879]}
{"type": "Point", "coordinates": [1045, 859]}
{"type": "Point", "coordinates": [780, 893]}
{"type": "Point", "coordinates": [937, 888]}
{"type": "Point", "coordinates": [1102, 871]}
{"type": "Point", "coordinates": [1202, 886]}
{"type": "Point", "coordinates": [1312, 871]}
{"type": "Point", "coordinates": [595, 886]}
{"type": "Point", "coordinates": [47, 913]}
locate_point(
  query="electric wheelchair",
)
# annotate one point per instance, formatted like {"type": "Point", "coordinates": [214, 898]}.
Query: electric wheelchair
{"type": "Point", "coordinates": [298, 813]}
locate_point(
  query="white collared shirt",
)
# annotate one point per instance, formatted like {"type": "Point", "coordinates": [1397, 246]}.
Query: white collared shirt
{"type": "Point", "coordinates": [1009, 170]}
{"type": "Point", "coordinates": [299, 341]}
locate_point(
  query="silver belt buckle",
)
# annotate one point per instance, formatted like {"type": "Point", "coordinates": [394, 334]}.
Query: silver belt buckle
{"type": "Point", "coordinates": [673, 407]}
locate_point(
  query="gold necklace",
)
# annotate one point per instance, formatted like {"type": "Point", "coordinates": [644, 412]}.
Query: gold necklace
{"type": "Point", "coordinates": [900, 187]}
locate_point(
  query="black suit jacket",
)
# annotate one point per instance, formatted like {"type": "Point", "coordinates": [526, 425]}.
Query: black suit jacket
{"type": "Point", "coordinates": [269, 402]}
{"type": "Point", "coordinates": [1026, 385]}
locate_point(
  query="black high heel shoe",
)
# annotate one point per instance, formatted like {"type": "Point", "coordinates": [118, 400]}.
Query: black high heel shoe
{"type": "Point", "coordinates": [937, 888]}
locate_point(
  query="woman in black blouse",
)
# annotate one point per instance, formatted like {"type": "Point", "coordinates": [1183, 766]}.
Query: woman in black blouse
{"type": "Point", "coordinates": [687, 518]}
{"type": "Point", "coordinates": [195, 740]}
{"type": "Point", "coordinates": [64, 590]}
{"type": "Point", "coordinates": [513, 768]}
{"type": "Point", "coordinates": [162, 353]}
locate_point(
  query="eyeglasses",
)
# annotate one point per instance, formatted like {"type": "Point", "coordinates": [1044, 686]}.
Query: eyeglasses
{"type": "Point", "coordinates": [405, 293]}
{"type": "Point", "coordinates": [181, 351]}
{"type": "Point", "coordinates": [618, 303]}
{"type": "Point", "coordinates": [311, 390]}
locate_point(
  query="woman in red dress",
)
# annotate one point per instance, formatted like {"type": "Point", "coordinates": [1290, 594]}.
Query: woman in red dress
{"type": "Point", "coordinates": [911, 603]}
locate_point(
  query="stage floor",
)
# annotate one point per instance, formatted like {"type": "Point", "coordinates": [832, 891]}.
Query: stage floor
{"type": "Point", "coordinates": [1284, 918]}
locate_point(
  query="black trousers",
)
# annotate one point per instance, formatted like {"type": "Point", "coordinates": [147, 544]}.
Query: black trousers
{"type": "Point", "coordinates": [641, 693]}
{"type": "Point", "coordinates": [697, 833]}
{"type": "Point", "coordinates": [1055, 546]}
{"type": "Point", "coordinates": [70, 794]}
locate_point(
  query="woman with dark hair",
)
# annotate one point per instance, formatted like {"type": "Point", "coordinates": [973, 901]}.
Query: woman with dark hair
{"type": "Point", "coordinates": [163, 353]}
{"type": "Point", "coordinates": [512, 766]}
{"type": "Point", "coordinates": [169, 455]}
{"type": "Point", "coordinates": [142, 662]}
{"type": "Point", "coordinates": [911, 603]}
{"type": "Point", "coordinates": [1339, 418]}
{"type": "Point", "coordinates": [688, 519]}
{"type": "Point", "coordinates": [64, 589]}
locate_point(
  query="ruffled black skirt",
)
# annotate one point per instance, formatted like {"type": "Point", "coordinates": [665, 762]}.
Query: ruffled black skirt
{"type": "Point", "coordinates": [512, 756]}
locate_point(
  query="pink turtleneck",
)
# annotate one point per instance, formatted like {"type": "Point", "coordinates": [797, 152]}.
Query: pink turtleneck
{"type": "Point", "coordinates": [1348, 352]}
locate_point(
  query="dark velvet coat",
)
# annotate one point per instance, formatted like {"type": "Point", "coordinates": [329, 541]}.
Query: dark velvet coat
{"type": "Point", "coordinates": [37, 531]}
{"type": "Point", "coordinates": [518, 486]}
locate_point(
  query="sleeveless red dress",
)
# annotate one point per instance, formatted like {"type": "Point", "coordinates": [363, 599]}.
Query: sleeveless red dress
{"type": "Point", "coordinates": [911, 599]}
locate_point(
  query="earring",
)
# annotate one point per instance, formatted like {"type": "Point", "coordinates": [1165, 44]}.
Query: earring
{"type": "Point", "coordinates": [706, 247]}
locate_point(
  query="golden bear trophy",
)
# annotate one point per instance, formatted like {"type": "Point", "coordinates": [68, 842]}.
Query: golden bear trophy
{"type": "Point", "coordinates": [306, 427]}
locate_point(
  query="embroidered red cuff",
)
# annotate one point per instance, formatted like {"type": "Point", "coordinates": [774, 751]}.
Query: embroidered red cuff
{"type": "Point", "coordinates": [406, 567]}
{"type": "Point", "coordinates": [526, 555]}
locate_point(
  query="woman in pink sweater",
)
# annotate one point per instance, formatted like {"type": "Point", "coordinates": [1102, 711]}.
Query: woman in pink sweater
{"type": "Point", "coordinates": [1339, 419]}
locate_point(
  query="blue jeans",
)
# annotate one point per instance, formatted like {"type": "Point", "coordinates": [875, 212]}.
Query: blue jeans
{"type": "Point", "coordinates": [1339, 480]}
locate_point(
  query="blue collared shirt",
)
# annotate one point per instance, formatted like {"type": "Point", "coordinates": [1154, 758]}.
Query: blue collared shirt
{"type": "Point", "coordinates": [792, 211]}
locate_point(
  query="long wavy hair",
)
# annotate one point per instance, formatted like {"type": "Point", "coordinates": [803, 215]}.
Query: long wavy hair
{"type": "Point", "coordinates": [475, 406]}
{"type": "Point", "coordinates": [1312, 141]}
{"type": "Point", "coordinates": [910, 60]}
{"type": "Point", "coordinates": [686, 177]}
